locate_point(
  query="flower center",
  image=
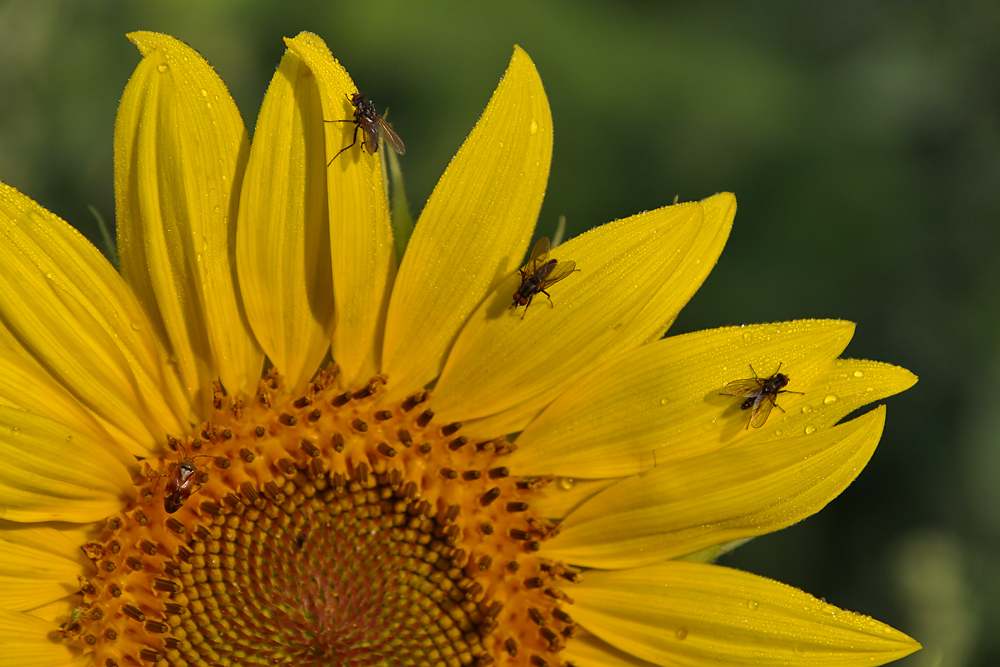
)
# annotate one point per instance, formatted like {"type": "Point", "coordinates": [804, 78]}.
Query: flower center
{"type": "Point", "coordinates": [325, 529]}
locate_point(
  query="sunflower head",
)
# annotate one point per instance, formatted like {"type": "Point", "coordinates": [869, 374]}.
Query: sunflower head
{"type": "Point", "coordinates": [270, 441]}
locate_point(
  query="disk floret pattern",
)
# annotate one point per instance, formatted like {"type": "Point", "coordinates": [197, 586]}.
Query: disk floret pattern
{"type": "Point", "coordinates": [324, 528]}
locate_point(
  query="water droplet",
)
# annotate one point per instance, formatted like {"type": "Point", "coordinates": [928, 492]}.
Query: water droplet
{"type": "Point", "coordinates": [806, 409]}
{"type": "Point", "coordinates": [810, 430]}
{"type": "Point", "coordinates": [216, 209]}
{"type": "Point", "coordinates": [204, 93]}
{"type": "Point", "coordinates": [858, 374]}
{"type": "Point", "coordinates": [747, 338]}
{"type": "Point", "coordinates": [534, 127]}
{"type": "Point", "coordinates": [830, 399]}
{"type": "Point", "coordinates": [162, 67]}
{"type": "Point", "coordinates": [681, 633]}
{"type": "Point", "coordinates": [15, 430]}
{"type": "Point", "coordinates": [664, 401]}
{"type": "Point", "coordinates": [752, 605]}
{"type": "Point", "coordinates": [566, 483]}
{"type": "Point", "coordinates": [870, 389]}
{"type": "Point", "coordinates": [778, 432]}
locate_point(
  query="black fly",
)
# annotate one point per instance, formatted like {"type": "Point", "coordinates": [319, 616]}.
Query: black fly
{"type": "Point", "coordinates": [366, 118]}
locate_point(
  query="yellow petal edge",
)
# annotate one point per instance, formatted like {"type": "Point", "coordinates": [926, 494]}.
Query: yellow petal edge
{"type": "Point", "coordinates": [694, 614]}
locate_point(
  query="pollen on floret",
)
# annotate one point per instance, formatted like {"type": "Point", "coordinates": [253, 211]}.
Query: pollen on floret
{"type": "Point", "coordinates": [325, 528]}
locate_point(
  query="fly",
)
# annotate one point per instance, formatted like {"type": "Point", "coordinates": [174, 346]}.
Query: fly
{"type": "Point", "coordinates": [760, 394]}
{"type": "Point", "coordinates": [540, 272]}
{"type": "Point", "coordinates": [366, 118]}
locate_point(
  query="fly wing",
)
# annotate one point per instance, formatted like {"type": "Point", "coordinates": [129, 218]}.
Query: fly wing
{"type": "Point", "coordinates": [748, 387]}
{"type": "Point", "coordinates": [558, 272]}
{"type": "Point", "coordinates": [391, 138]}
{"type": "Point", "coordinates": [370, 130]}
{"type": "Point", "coordinates": [761, 409]}
{"type": "Point", "coordinates": [539, 255]}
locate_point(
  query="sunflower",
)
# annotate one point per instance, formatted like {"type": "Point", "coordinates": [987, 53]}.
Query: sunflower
{"type": "Point", "coordinates": [269, 440]}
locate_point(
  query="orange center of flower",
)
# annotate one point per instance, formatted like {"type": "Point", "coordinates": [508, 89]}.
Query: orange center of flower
{"type": "Point", "coordinates": [325, 529]}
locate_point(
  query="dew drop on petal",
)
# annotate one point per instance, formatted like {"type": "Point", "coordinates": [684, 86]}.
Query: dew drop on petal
{"type": "Point", "coordinates": [806, 409]}
{"type": "Point", "coordinates": [810, 430]}
{"type": "Point", "coordinates": [566, 483]}
{"type": "Point", "coordinates": [664, 401]}
{"type": "Point", "coordinates": [830, 399]}
{"type": "Point", "coordinates": [162, 67]}
{"type": "Point", "coordinates": [534, 127]}
{"type": "Point", "coordinates": [858, 374]}
{"type": "Point", "coordinates": [747, 338]}
{"type": "Point", "coordinates": [681, 633]}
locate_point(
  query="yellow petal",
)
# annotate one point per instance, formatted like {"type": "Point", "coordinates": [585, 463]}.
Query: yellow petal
{"type": "Point", "coordinates": [25, 384]}
{"type": "Point", "coordinates": [363, 254]}
{"type": "Point", "coordinates": [634, 276]}
{"type": "Point", "coordinates": [54, 473]}
{"type": "Point", "coordinates": [587, 650]}
{"type": "Point", "coordinates": [662, 402]}
{"type": "Point", "coordinates": [730, 494]}
{"type": "Point", "coordinates": [57, 611]}
{"type": "Point", "coordinates": [691, 614]}
{"type": "Point", "coordinates": [839, 389]}
{"type": "Point", "coordinates": [67, 308]}
{"type": "Point", "coordinates": [283, 235]}
{"type": "Point", "coordinates": [25, 643]}
{"type": "Point", "coordinates": [180, 151]}
{"type": "Point", "coordinates": [474, 230]}
{"type": "Point", "coordinates": [37, 566]}
{"type": "Point", "coordinates": [565, 494]}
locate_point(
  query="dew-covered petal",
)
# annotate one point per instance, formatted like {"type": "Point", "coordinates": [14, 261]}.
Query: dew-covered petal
{"type": "Point", "coordinates": [565, 494]}
{"type": "Point", "coordinates": [586, 650]}
{"type": "Point", "coordinates": [63, 306]}
{"type": "Point", "coordinates": [634, 276]}
{"type": "Point", "coordinates": [363, 253]}
{"type": "Point", "coordinates": [690, 504]}
{"type": "Point", "coordinates": [37, 566]}
{"type": "Point", "coordinates": [694, 615]}
{"type": "Point", "coordinates": [52, 472]}
{"type": "Point", "coordinates": [26, 385]}
{"type": "Point", "coordinates": [283, 235]}
{"type": "Point", "coordinates": [839, 389]}
{"type": "Point", "coordinates": [665, 400]}
{"type": "Point", "coordinates": [24, 642]}
{"type": "Point", "coordinates": [180, 152]}
{"type": "Point", "coordinates": [474, 230]}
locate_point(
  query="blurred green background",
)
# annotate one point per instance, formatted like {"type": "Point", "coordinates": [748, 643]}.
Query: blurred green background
{"type": "Point", "coordinates": [862, 140]}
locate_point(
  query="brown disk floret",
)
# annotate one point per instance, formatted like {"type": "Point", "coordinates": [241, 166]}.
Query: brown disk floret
{"type": "Point", "coordinates": [325, 529]}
